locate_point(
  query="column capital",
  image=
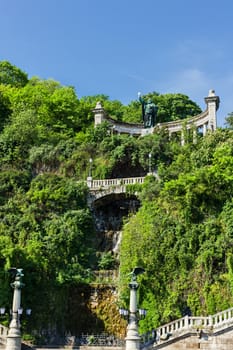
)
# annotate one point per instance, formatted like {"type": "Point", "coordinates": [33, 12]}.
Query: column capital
{"type": "Point", "coordinates": [133, 285]}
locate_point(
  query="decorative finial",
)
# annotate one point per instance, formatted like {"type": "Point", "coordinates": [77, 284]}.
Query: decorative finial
{"type": "Point", "coordinates": [98, 105]}
{"type": "Point", "coordinates": [211, 93]}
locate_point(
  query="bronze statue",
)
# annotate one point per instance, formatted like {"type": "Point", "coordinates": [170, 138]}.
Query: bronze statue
{"type": "Point", "coordinates": [149, 112]}
{"type": "Point", "coordinates": [136, 271]}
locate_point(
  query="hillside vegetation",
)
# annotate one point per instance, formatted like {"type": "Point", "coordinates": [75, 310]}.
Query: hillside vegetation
{"type": "Point", "coordinates": [182, 234]}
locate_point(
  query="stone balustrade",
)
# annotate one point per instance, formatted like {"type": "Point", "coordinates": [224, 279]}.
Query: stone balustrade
{"type": "Point", "coordinates": [222, 318]}
{"type": "Point", "coordinates": [110, 183]}
{"type": "Point", "coordinates": [189, 324]}
{"type": "Point", "coordinates": [3, 334]}
{"type": "Point", "coordinates": [205, 121]}
{"type": "Point", "coordinates": [172, 331]}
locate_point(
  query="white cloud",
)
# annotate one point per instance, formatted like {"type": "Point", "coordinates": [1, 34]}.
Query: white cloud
{"type": "Point", "coordinates": [196, 84]}
{"type": "Point", "coordinates": [190, 80]}
{"type": "Point", "coordinates": [199, 52]}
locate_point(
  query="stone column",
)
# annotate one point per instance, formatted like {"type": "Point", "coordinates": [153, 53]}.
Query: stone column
{"type": "Point", "coordinates": [186, 322]}
{"type": "Point", "coordinates": [204, 129]}
{"type": "Point", "coordinates": [89, 181]}
{"type": "Point", "coordinates": [212, 102]}
{"type": "Point", "coordinates": [99, 113]}
{"type": "Point", "coordinates": [133, 339]}
{"type": "Point", "coordinates": [13, 341]}
{"type": "Point", "coordinates": [182, 141]}
{"type": "Point", "coordinates": [195, 136]}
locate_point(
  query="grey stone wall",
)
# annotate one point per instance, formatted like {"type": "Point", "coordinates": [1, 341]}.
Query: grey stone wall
{"type": "Point", "coordinates": [204, 341]}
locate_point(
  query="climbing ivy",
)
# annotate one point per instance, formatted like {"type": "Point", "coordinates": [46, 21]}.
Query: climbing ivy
{"type": "Point", "coordinates": [182, 235]}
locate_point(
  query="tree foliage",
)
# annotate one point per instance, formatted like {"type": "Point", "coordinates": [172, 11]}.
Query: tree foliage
{"type": "Point", "coordinates": [182, 235]}
{"type": "Point", "coordinates": [229, 120]}
{"type": "Point", "coordinates": [170, 107]}
{"type": "Point", "coordinates": [12, 75]}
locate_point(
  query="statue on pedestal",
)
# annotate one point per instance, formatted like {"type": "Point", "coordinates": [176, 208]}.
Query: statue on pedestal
{"type": "Point", "coordinates": [149, 112]}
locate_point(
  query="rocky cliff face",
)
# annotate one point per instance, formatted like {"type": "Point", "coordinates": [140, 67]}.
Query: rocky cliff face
{"type": "Point", "coordinates": [103, 304]}
{"type": "Point", "coordinates": [109, 219]}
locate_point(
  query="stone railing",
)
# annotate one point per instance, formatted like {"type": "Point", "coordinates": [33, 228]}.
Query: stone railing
{"type": "Point", "coordinates": [93, 340]}
{"type": "Point", "coordinates": [205, 121]}
{"type": "Point", "coordinates": [169, 332]}
{"type": "Point", "coordinates": [3, 334]}
{"type": "Point", "coordinates": [111, 183]}
{"type": "Point", "coordinates": [188, 325]}
{"type": "Point", "coordinates": [178, 125]}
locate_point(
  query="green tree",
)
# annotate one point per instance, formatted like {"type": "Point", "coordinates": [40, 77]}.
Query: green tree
{"type": "Point", "coordinates": [170, 107]}
{"type": "Point", "coordinates": [175, 106]}
{"type": "Point", "coordinates": [229, 120]}
{"type": "Point", "coordinates": [18, 136]}
{"type": "Point", "coordinates": [5, 107]}
{"type": "Point", "coordinates": [12, 75]}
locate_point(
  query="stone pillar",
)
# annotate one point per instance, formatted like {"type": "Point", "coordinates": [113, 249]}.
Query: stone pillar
{"type": "Point", "coordinates": [204, 129]}
{"type": "Point", "coordinates": [13, 341]}
{"type": "Point", "coordinates": [195, 136]}
{"type": "Point", "coordinates": [132, 340]}
{"type": "Point", "coordinates": [210, 321]}
{"type": "Point", "coordinates": [212, 102]}
{"type": "Point", "coordinates": [186, 322]}
{"type": "Point", "coordinates": [99, 113]}
{"type": "Point", "coordinates": [89, 181]}
{"type": "Point", "coordinates": [182, 138]}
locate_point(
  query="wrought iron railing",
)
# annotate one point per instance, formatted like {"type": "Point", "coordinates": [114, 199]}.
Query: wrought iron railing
{"type": "Point", "coordinates": [107, 277]}
{"type": "Point", "coordinates": [103, 339]}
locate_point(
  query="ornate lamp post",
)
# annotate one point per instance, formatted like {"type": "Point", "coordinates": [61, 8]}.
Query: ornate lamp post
{"type": "Point", "coordinates": [90, 167]}
{"type": "Point", "coordinates": [132, 340]}
{"type": "Point", "coordinates": [14, 335]}
{"type": "Point", "coordinates": [150, 155]}
{"type": "Point", "coordinates": [89, 178]}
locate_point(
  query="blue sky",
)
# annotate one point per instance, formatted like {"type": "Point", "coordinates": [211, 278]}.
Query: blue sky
{"type": "Point", "coordinates": [120, 47]}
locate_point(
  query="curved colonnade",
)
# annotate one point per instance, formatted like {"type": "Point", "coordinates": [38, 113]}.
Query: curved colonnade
{"type": "Point", "coordinates": [203, 122]}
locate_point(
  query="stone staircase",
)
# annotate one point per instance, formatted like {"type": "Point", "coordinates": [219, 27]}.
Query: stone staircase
{"type": "Point", "coordinates": [179, 334]}
{"type": "Point", "coordinates": [214, 332]}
